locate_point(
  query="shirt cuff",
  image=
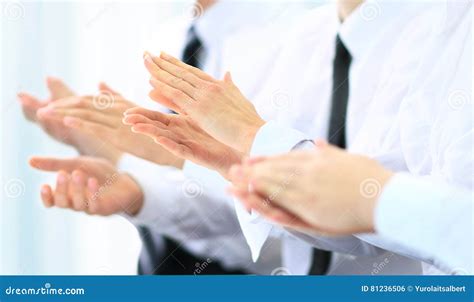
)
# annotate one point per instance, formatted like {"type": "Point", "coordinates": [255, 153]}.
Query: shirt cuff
{"type": "Point", "coordinates": [274, 138]}
{"type": "Point", "coordinates": [160, 186]}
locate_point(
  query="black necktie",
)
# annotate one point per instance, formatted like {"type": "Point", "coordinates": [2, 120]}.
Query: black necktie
{"type": "Point", "coordinates": [337, 129]}
{"type": "Point", "coordinates": [193, 50]}
{"type": "Point", "coordinates": [340, 95]}
{"type": "Point", "coordinates": [150, 258]}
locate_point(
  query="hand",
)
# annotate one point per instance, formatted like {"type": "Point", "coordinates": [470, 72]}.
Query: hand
{"type": "Point", "coordinates": [85, 144]}
{"type": "Point", "coordinates": [101, 117]}
{"type": "Point", "coordinates": [90, 185]}
{"type": "Point", "coordinates": [218, 107]}
{"type": "Point", "coordinates": [182, 137]}
{"type": "Point", "coordinates": [333, 191]}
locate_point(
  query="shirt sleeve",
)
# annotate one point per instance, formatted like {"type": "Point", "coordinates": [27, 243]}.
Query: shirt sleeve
{"type": "Point", "coordinates": [431, 217]}
{"type": "Point", "coordinates": [178, 206]}
{"type": "Point", "coordinates": [272, 138]}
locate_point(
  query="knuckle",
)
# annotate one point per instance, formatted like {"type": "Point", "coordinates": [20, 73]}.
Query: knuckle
{"type": "Point", "coordinates": [214, 88]}
{"type": "Point", "coordinates": [176, 80]}
{"type": "Point", "coordinates": [176, 94]}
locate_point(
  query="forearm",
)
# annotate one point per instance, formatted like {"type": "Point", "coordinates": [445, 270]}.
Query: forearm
{"type": "Point", "coordinates": [436, 223]}
{"type": "Point", "coordinates": [176, 206]}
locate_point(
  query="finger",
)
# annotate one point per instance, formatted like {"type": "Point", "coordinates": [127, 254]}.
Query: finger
{"type": "Point", "coordinates": [272, 190]}
{"type": "Point", "coordinates": [320, 143]}
{"type": "Point", "coordinates": [78, 188]}
{"type": "Point", "coordinates": [54, 164]}
{"type": "Point", "coordinates": [167, 78]}
{"type": "Point", "coordinates": [30, 105]}
{"type": "Point", "coordinates": [92, 193]}
{"type": "Point", "coordinates": [91, 128]}
{"type": "Point", "coordinates": [104, 87]}
{"type": "Point", "coordinates": [273, 213]}
{"type": "Point", "coordinates": [61, 192]}
{"type": "Point", "coordinates": [92, 116]}
{"type": "Point", "coordinates": [58, 89]}
{"type": "Point", "coordinates": [153, 131]}
{"type": "Point", "coordinates": [164, 94]}
{"type": "Point", "coordinates": [179, 150]}
{"type": "Point", "coordinates": [93, 103]}
{"type": "Point", "coordinates": [240, 177]}
{"type": "Point", "coordinates": [177, 71]}
{"type": "Point", "coordinates": [134, 119]}
{"type": "Point", "coordinates": [254, 160]}
{"type": "Point", "coordinates": [282, 172]}
{"type": "Point", "coordinates": [196, 71]}
{"type": "Point", "coordinates": [47, 196]}
{"type": "Point", "coordinates": [152, 115]}
{"type": "Point", "coordinates": [167, 101]}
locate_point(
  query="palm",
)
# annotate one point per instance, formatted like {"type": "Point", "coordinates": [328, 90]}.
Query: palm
{"type": "Point", "coordinates": [203, 148]}
{"type": "Point", "coordinates": [112, 194]}
{"type": "Point", "coordinates": [53, 126]}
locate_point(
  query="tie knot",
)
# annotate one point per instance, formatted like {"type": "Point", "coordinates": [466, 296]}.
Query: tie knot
{"type": "Point", "coordinates": [341, 50]}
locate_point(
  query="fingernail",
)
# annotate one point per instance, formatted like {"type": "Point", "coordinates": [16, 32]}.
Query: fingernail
{"type": "Point", "coordinates": [70, 121]}
{"type": "Point", "coordinates": [44, 190]}
{"type": "Point", "coordinates": [46, 111]}
{"type": "Point", "coordinates": [147, 58]}
{"type": "Point", "coordinates": [62, 178]}
{"type": "Point", "coordinates": [76, 178]}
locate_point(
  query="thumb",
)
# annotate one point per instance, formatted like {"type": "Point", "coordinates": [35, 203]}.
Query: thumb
{"type": "Point", "coordinates": [228, 78]}
{"type": "Point", "coordinates": [320, 143]}
{"type": "Point", "coordinates": [58, 89]}
{"type": "Point", "coordinates": [55, 164]}
{"type": "Point", "coordinates": [105, 87]}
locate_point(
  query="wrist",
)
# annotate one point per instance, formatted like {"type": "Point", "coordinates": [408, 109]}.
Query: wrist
{"type": "Point", "coordinates": [248, 136]}
{"type": "Point", "coordinates": [136, 198]}
{"type": "Point", "coordinates": [233, 157]}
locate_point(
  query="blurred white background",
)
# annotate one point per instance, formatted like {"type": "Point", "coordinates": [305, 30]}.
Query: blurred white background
{"type": "Point", "coordinates": [83, 43]}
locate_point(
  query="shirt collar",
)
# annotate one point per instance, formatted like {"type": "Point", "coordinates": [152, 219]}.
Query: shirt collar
{"type": "Point", "coordinates": [367, 23]}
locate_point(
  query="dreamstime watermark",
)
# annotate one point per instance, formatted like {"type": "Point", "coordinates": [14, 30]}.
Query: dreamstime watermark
{"type": "Point", "coordinates": [46, 290]}
{"type": "Point", "coordinates": [104, 100]}
{"type": "Point", "coordinates": [13, 10]}
{"type": "Point", "coordinates": [281, 188]}
{"type": "Point", "coordinates": [459, 98]}
{"type": "Point", "coordinates": [14, 188]}
{"type": "Point", "coordinates": [108, 183]}
{"type": "Point", "coordinates": [370, 188]}
{"type": "Point", "coordinates": [192, 11]}
{"type": "Point", "coordinates": [281, 271]}
{"type": "Point", "coordinates": [281, 100]}
{"type": "Point", "coordinates": [369, 10]}
{"type": "Point", "coordinates": [99, 14]}
{"type": "Point", "coordinates": [192, 188]}
{"type": "Point", "coordinates": [201, 267]}
{"type": "Point", "coordinates": [378, 267]}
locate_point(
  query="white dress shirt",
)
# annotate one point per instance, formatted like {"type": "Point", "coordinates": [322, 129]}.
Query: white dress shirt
{"type": "Point", "coordinates": [298, 76]}
{"type": "Point", "coordinates": [190, 209]}
{"type": "Point", "coordinates": [380, 136]}
{"type": "Point", "coordinates": [377, 85]}
{"type": "Point", "coordinates": [433, 215]}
